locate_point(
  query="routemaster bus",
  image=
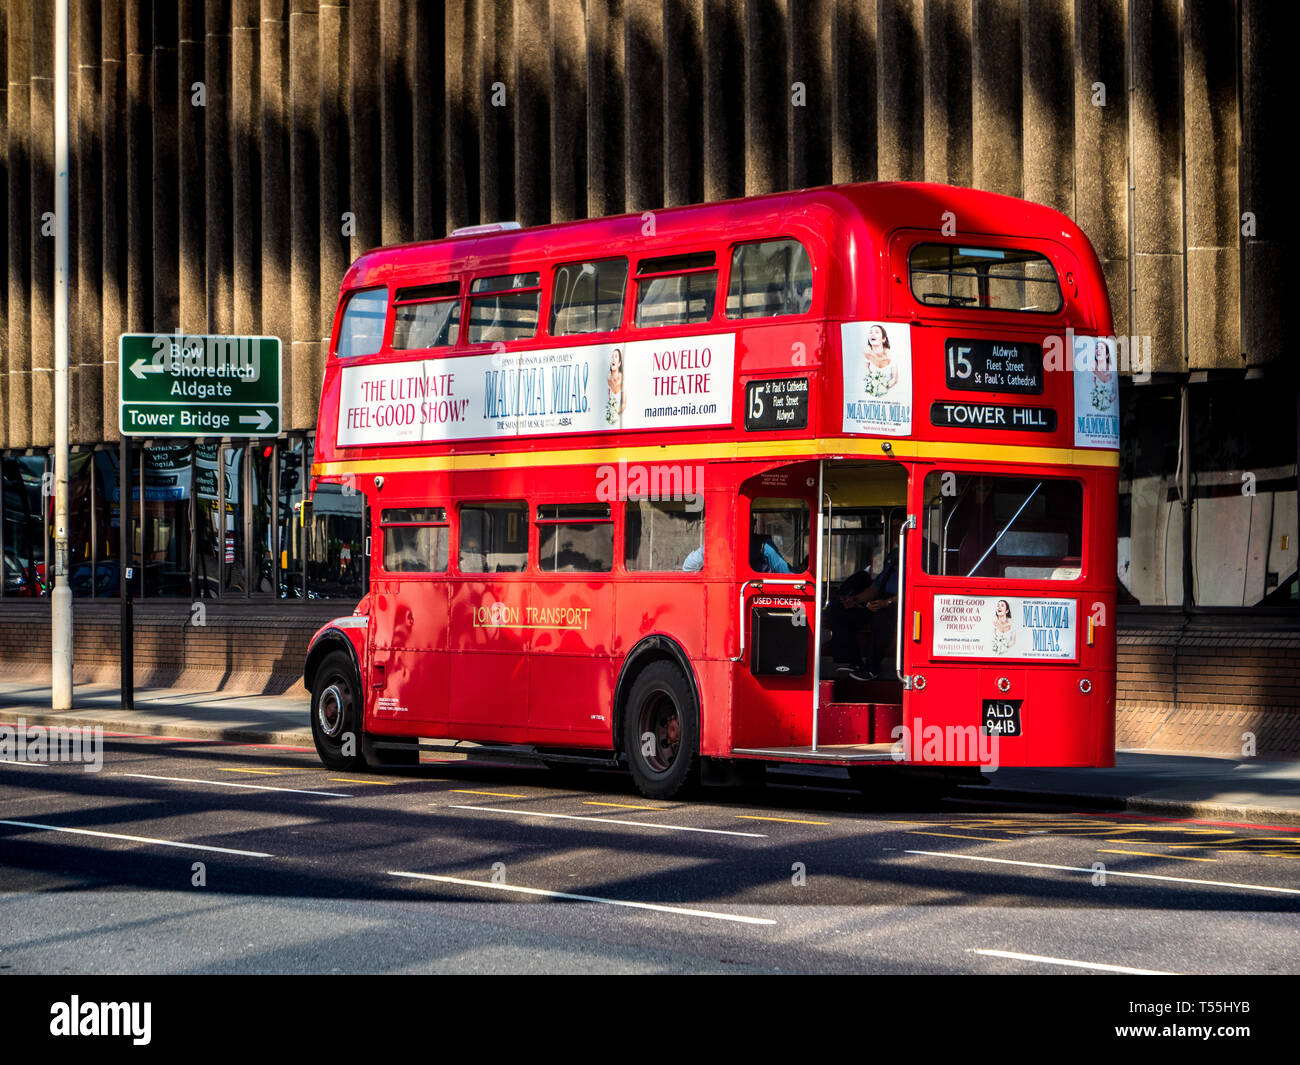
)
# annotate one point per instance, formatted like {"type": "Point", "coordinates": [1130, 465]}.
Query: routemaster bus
{"type": "Point", "coordinates": [821, 477]}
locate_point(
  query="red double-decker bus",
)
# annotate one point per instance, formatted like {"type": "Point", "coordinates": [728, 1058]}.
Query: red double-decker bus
{"type": "Point", "coordinates": [825, 476]}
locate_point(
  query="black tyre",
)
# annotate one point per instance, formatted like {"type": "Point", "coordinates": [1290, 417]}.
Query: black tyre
{"type": "Point", "coordinates": [661, 731]}
{"type": "Point", "coordinates": [336, 713]}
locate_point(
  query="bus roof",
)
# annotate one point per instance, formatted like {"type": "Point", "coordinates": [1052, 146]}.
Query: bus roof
{"type": "Point", "coordinates": [865, 213]}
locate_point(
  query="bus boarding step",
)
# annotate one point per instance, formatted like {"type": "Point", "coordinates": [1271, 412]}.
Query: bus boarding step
{"type": "Point", "coordinates": [844, 753]}
{"type": "Point", "coordinates": [858, 722]}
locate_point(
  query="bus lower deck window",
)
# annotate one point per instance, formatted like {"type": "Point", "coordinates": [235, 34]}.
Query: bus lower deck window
{"type": "Point", "coordinates": [575, 538]}
{"type": "Point", "coordinates": [493, 538]}
{"type": "Point", "coordinates": [663, 536]}
{"type": "Point", "coordinates": [1017, 528]}
{"type": "Point", "coordinates": [778, 536]}
{"type": "Point", "coordinates": [415, 539]}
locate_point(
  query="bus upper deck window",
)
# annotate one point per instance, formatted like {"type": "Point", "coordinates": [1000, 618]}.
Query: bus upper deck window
{"type": "Point", "coordinates": [427, 316]}
{"type": "Point", "coordinates": [588, 297]}
{"type": "Point", "coordinates": [676, 289]}
{"type": "Point", "coordinates": [362, 329]}
{"type": "Point", "coordinates": [769, 278]}
{"type": "Point", "coordinates": [504, 307]}
{"type": "Point", "coordinates": [991, 279]}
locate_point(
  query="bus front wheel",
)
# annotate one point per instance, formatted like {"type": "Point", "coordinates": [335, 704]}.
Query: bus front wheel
{"type": "Point", "coordinates": [661, 731]}
{"type": "Point", "coordinates": [336, 713]}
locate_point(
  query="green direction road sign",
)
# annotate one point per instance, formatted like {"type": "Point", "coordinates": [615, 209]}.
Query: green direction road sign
{"type": "Point", "coordinates": [176, 385]}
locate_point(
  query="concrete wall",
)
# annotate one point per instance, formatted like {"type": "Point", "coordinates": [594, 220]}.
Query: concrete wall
{"type": "Point", "coordinates": [232, 156]}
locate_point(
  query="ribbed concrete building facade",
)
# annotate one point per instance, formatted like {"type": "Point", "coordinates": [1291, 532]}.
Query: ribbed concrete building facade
{"type": "Point", "coordinates": [231, 157]}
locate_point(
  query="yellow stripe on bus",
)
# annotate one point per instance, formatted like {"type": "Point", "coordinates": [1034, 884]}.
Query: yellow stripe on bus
{"type": "Point", "coordinates": [738, 449]}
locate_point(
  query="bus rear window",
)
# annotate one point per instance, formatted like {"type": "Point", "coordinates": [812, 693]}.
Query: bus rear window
{"type": "Point", "coordinates": [990, 279]}
{"type": "Point", "coordinates": [362, 330]}
{"type": "Point", "coordinates": [1017, 528]}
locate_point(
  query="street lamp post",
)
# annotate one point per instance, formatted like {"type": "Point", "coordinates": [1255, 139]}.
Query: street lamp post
{"type": "Point", "coordinates": [61, 597]}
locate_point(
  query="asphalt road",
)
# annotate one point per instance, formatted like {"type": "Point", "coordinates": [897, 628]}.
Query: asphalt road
{"type": "Point", "coordinates": [456, 867]}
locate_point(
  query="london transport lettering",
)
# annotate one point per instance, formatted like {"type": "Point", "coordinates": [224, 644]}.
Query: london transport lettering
{"type": "Point", "coordinates": [500, 615]}
{"type": "Point", "coordinates": [590, 388]}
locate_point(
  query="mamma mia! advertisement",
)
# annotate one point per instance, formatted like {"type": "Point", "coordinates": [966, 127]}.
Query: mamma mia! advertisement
{"type": "Point", "coordinates": [673, 384]}
{"type": "Point", "coordinates": [975, 626]}
{"type": "Point", "coordinates": [877, 360]}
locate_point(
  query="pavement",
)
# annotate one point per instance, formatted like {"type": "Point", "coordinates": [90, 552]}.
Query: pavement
{"type": "Point", "coordinates": [1150, 783]}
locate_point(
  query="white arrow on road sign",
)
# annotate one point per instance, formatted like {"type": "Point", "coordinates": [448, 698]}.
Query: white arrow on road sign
{"type": "Point", "coordinates": [140, 368]}
{"type": "Point", "coordinates": [261, 419]}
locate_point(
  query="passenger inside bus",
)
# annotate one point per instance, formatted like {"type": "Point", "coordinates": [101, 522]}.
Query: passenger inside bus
{"type": "Point", "coordinates": [764, 557]}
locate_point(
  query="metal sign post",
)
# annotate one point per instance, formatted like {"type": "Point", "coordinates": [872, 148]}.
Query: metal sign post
{"type": "Point", "coordinates": [171, 384]}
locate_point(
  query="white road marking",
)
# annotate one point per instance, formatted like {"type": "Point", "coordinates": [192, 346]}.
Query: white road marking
{"type": "Point", "coordinates": [232, 784]}
{"type": "Point", "coordinates": [608, 821]}
{"type": "Point", "coordinates": [683, 910]}
{"type": "Point", "coordinates": [38, 765]}
{"type": "Point", "coordinates": [138, 839]}
{"type": "Point", "coordinates": [1112, 872]}
{"type": "Point", "coordinates": [1071, 963]}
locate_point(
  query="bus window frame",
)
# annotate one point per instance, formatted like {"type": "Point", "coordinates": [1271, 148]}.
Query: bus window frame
{"type": "Point", "coordinates": [381, 571]}
{"type": "Point", "coordinates": [542, 288]}
{"type": "Point", "coordinates": [903, 303]}
{"type": "Point", "coordinates": [635, 278]}
{"type": "Point", "coordinates": [527, 571]}
{"type": "Point", "coordinates": [1045, 584]}
{"type": "Point", "coordinates": [394, 302]}
{"type": "Point", "coordinates": [386, 337]}
{"type": "Point", "coordinates": [535, 545]}
{"type": "Point", "coordinates": [742, 321]}
{"type": "Point", "coordinates": [548, 312]}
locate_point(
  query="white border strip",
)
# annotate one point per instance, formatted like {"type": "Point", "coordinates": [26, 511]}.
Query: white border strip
{"type": "Point", "coordinates": [137, 839]}
{"type": "Point", "coordinates": [684, 911]}
{"type": "Point", "coordinates": [1112, 872]}
{"type": "Point", "coordinates": [232, 784]}
{"type": "Point", "coordinates": [1098, 966]}
{"type": "Point", "coordinates": [608, 821]}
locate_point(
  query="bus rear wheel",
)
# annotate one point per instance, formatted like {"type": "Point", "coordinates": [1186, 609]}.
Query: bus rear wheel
{"type": "Point", "coordinates": [336, 713]}
{"type": "Point", "coordinates": [661, 731]}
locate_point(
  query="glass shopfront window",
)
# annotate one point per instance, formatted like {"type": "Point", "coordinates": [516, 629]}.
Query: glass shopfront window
{"type": "Point", "coordinates": [1150, 513]}
{"type": "Point", "coordinates": [207, 522]}
{"type": "Point", "coordinates": [292, 486]}
{"type": "Point", "coordinates": [167, 473]}
{"type": "Point", "coordinates": [1243, 477]}
{"type": "Point", "coordinates": [24, 522]}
